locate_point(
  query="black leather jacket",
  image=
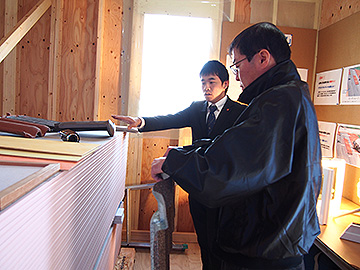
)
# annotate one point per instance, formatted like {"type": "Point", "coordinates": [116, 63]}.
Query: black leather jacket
{"type": "Point", "coordinates": [264, 173]}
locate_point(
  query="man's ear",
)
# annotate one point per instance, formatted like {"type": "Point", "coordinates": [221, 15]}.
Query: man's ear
{"type": "Point", "coordinates": [264, 56]}
{"type": "Point", "coordinates": [226, 84]}
{"type": "Point", "coordinates": [266, 60]}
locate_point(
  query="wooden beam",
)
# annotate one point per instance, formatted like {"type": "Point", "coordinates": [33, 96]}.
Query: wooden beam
{"type": "Point", "coordinates": [99, 48]}
{"type": "Point", "coordinates": [55, 57]}
{"type": "Point", "coordinates": [9, 72]}
{"type": "Point", "coordinates": [275, 11]}
{"type": "Point", "coordinates": [10, 40]}
{"type": "Point", "coordinates": [178, 237]}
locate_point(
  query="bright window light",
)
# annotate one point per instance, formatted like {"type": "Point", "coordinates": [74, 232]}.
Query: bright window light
{"type": "Point", "coordinates": [175, 49]}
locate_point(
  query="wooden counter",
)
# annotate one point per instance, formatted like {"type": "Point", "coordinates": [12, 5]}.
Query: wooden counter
{"type": "Point", "coordinates": [345, 254]}
{"type": "Point", "coordinates": [66, 222]}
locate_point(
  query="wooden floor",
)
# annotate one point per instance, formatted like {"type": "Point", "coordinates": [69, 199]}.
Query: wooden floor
{"type": "Point", "coordinates": [179, 260]}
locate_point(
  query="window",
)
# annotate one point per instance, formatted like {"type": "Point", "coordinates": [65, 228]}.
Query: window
{"type": "Point", "coordinates": [170, 42]}
{"type": "Point", "coordinates": [174, 50]}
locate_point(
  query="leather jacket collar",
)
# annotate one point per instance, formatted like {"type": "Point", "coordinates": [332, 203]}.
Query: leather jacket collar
{"type": "Point", "coordinates": [278, 75]}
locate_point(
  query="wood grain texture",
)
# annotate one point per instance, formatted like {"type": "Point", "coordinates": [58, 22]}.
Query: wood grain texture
{"type": "Point", "coordinates": [126, 259]}
{"type": "Point", "coordinates": [55, 59]}
{"type": "Point", "coordinates": [8, 99]}
{"type": "Point", "coordinates": [242, 11]}
{"type": "Point", "coordinates": [330, 236]}
{"type": "Point", "coordinates": [183, 220]}
{"type": "Point", "coordinates": [33, 65]}
{"type": "Point", "coordinates": [78, 66]}
{"type": "Point", "coordinates": [152, 148]}
{"type": "Point", "coordinates": [2, 33]}
{"type": "Point", "coordinates": [143, 203]}
{"type": "Point", "coordinates": [188, 259]}
{"type": "Point", "coordinates": [109, 89]}
{"type": "Point", "coordinates": [334, 11]}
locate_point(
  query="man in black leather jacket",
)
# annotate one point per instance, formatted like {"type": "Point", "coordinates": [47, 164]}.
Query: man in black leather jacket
{"type": "Point", "coordinates": [215, 82]}
{"type": "Point", "coordinates": [265, 172]}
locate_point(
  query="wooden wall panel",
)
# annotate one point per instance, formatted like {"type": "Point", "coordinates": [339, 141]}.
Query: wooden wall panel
{"type": "Point", "coordinates": [9, 63]}
{"type": "Point", "coordinates": [33, 65]}
{"type": "Point", "coordinates": [152, 148]}
{"type": "Point", "coordinates": [242, 11]}
{"type": "Point", "coordinates": [110, 92]}
{"type": "Point", "coordinates": [2, 18]}
{"type": "Point", "coordinates": [333, 11]}
{"type": "Point", "coordinates": [183, 220]}
{"type": "Point", "coordinates": [297, 14]}
{"type": "Point", "coordinates": [2, 33]}
{"type": "Point", "coordinates": [79, 40]}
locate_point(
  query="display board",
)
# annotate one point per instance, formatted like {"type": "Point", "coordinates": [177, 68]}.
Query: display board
{"type": "Point", "coordinates": [338, 47]}
{"type": "Point", "coordinates": [334, 53]}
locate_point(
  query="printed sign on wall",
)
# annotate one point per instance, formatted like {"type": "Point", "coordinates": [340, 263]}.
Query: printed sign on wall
{"type": "Point", "coordinates": [350, 87]}
{"type": "Point", "coordinates": [327, 87]}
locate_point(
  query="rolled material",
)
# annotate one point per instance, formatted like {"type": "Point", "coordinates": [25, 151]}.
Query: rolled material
{"type": "Point", "coordinates": [56, 126]}
{"type": "Point", "coordinates": [26, 130]}
{"type": "Point", "coordinates": [43, 128]}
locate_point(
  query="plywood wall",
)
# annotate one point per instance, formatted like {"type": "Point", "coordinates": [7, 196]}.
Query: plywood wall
{"type": "Point", "coordinates": [110, 66]}
{"type": "Point", "coordinates": [334, 11]}
{"type": "Point", "coordinates": [31, 90]}
{"type": "Point", "coordinates": [67, 67]}
{"type": "Point", "coordinates": [78, 61]}
{"type": "Point", "coordinates": [2, 33]}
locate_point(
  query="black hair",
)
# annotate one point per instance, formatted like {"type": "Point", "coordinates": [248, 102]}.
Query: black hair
{"type": "Point", "coordinates": [260, 36]}
{"type": "Point", "coordinates": [214, 67]}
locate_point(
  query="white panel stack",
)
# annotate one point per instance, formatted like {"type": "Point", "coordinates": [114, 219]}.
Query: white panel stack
{"type": "Point", "coordinates": [63, 223]}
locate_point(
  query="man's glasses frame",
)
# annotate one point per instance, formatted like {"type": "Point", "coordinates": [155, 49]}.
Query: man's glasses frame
{"type": "Point", "coordinates": [233, 67]}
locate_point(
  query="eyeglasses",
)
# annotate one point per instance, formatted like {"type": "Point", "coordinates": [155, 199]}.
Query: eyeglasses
{"type": "Point", "coordinates": [233, 67]}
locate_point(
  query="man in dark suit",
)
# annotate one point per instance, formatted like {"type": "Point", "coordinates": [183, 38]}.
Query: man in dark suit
{"type": "Point", "coordinates": [215, 82]}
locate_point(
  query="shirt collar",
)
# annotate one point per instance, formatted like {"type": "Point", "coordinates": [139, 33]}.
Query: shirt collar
{"type": "Point", "coordinates": [220, 103]}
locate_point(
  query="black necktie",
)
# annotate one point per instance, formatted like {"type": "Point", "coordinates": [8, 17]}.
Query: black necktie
{"type": "Point", "coordinates": [211, 118]}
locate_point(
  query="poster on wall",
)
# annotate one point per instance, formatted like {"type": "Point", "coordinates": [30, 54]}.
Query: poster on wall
{"type": "Point", "coordinates": [327, 138]}
{"type": "Point", "coordinates": [327, 87]}
{"type": "Point", "coordinates": [350, 86]}
{"type": "Point", "coordinates": [348, 143]}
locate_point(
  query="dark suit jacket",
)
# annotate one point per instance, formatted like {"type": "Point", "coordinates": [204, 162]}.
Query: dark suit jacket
{"type": "Point", "coordinates": [195, 117]}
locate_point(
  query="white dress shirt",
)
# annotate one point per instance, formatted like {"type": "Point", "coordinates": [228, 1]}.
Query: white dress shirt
{"type": "Point", "coordinates": [220, 104]}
